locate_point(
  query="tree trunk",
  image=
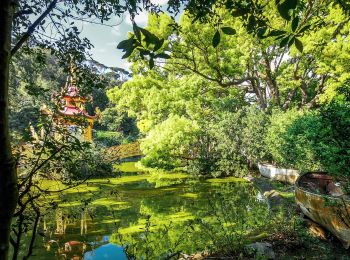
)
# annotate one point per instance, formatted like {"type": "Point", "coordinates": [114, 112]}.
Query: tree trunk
{"type": "Point", "coordinates": [8, 175]}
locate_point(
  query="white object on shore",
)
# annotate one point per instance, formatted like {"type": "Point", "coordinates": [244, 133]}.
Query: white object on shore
{"type": "Point", "coordinates": [279, 174]}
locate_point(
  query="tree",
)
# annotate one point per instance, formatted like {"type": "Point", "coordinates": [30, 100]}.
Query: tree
{"type": "Point", "coordinates": [213, 85]}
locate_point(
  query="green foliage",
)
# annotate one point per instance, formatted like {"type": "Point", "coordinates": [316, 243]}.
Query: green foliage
{"type": "Point", "coordinates": [35, 78]}
{"type": "Point", "coordinates": [290, 139]}
{"type": "Point", "coordinates": [116, 121]}
{"type": "Point", "coordinates": [228, 91]}
{"type": "Point", "coordinates": [107, 138]}
{"type": "Point", "coordinates": [84, 164]}
{"type": "Point", "coordinates": [232, 143]}
{"type": "Point", "coordinates": [168, 143]}
{"type": "Point", "coordinates": [311, 140]}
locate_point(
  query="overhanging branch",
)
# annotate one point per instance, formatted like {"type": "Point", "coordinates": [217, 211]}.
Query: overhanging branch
{"type": "Point", "coordinates": [32, 28]}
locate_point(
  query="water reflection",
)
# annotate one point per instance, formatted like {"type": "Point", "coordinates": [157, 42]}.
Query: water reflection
{"type": "Point", "coordinates": [76, 250]}
{"type": "Point", "coordinates": [151, 216]}
{"type": "Point", "coordinates": [108, 251]}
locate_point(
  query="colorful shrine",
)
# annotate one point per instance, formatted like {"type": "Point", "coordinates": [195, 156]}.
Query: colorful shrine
{"type": "Point", "coordinates": [73, 113]}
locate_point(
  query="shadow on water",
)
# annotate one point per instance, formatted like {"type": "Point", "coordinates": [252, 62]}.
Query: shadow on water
{"type": "Point", "coordinates": [150, 215]}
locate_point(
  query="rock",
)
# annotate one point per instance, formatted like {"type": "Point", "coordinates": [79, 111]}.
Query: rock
{"type": "Point", "coordinates": [334, 190]}
{"type": "Point", "coordinates": [197, 256]}
{"type": "Point", "coordinates": [261, 250]}
{"type": "Point", "coordinates": [274, 197]}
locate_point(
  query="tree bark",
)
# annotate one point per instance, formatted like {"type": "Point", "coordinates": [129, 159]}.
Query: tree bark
{"type": "Point", "coordinates": [8, 174]}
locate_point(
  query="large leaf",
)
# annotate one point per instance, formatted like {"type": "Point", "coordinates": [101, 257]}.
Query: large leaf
{"type": "Point", "coordinates": [295, 23]}
{"type": "Point", "coordinates": [137, 31]}
{"type": "Point", "coordinates": [304, 28]}
{"type": "Point", "coordinates": [149, 37]}
{"type": "Point", "coordinates": [284, 41]}
{"type": "Point", "coordinates": [158, 45]}
{"type": "Point", "coordinates": [228, 30]}
{"type": "Point", "coordinates": [216, 39]}
{"type": "Point", "coordinates": [284, 12]}
{"type": "Point", "coordinates": [291, 41]}
{"type": "Point", "coordinates": [162, 56]}
{"type": "Point", "coordinates": [299, 45]}
{"type": "Point", "coordinates": [284, 7]}
{"type": "Point", "coordinates": [290, 4]}
{"type": "Point", "coordinates": [127, 53]}
{"type": "Point", "coordinates": [125, 44]}
{"type": "Point", "coordinates": [276, 33]}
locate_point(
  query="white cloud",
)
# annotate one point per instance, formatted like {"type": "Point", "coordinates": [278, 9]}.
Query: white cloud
{"type": "Point", "coordinates": [101, 50]}
{"type": "Point", "coordinates": [116, 30]}
{"type": "Point", "coordinates": [140, 19]}
{"type": "Point", "coordinates": [111, 43]}
{"type": "Point", "coordinates": [159, 2]}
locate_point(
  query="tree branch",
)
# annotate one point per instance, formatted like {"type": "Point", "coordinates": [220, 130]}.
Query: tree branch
{"type": "Point", "coordinates": [32, 28]}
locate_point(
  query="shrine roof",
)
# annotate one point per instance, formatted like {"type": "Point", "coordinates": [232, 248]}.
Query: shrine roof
{"type": "Point", "coordinates": [75, 111]}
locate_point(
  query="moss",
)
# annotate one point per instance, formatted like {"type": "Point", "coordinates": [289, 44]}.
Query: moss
{"type": "Point", "coordinates": [127, 167]}
{"type": "Point", "coordinates": [190, 195]}
{"type": "Point", "coordinates": [107, 202]}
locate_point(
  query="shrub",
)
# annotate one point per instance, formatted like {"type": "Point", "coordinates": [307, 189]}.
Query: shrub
{"type": "Point", "coordinates": [108, 138]}
{"type": "Point", "coordinates": [232, 142]}
{"type": "Point", "coordinates": [168, 143]}
{"type": "Point", "coordinates": [87, 163]}
{"type": "Point", "coordinates": [311, 140]}
{"type": "Point", "coordinates": [289, 139]}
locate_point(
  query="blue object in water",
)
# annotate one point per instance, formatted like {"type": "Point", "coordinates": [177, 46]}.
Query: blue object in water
{"type": "Point", "coordinates": [108, 251]}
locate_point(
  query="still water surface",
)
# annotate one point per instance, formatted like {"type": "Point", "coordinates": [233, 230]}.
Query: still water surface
{"type": "Point", "coordinates": [149, 215]}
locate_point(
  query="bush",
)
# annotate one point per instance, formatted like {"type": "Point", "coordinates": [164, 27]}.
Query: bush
{"type": "Point", "coordinates": [289, 139]}
{"type": "Point", "coordinates": [230, 144]}
{"type": "Point", "coordinates": [311, 140]}
{"type": "Point", "coordinates": [116, 121]}
{"type": "Point", "coordinates": [168, 143]}
{"type": "Point", "coordinates": [87, 163]}
{"type": "Point", "coordinates": [108, 138]}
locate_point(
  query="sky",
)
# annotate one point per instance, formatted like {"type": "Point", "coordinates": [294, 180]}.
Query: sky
{"type": "Point", "coordinates": [106, 38]}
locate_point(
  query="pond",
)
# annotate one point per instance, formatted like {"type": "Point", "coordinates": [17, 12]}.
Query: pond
{"type": "Point", "coordinates": [149, 215]}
